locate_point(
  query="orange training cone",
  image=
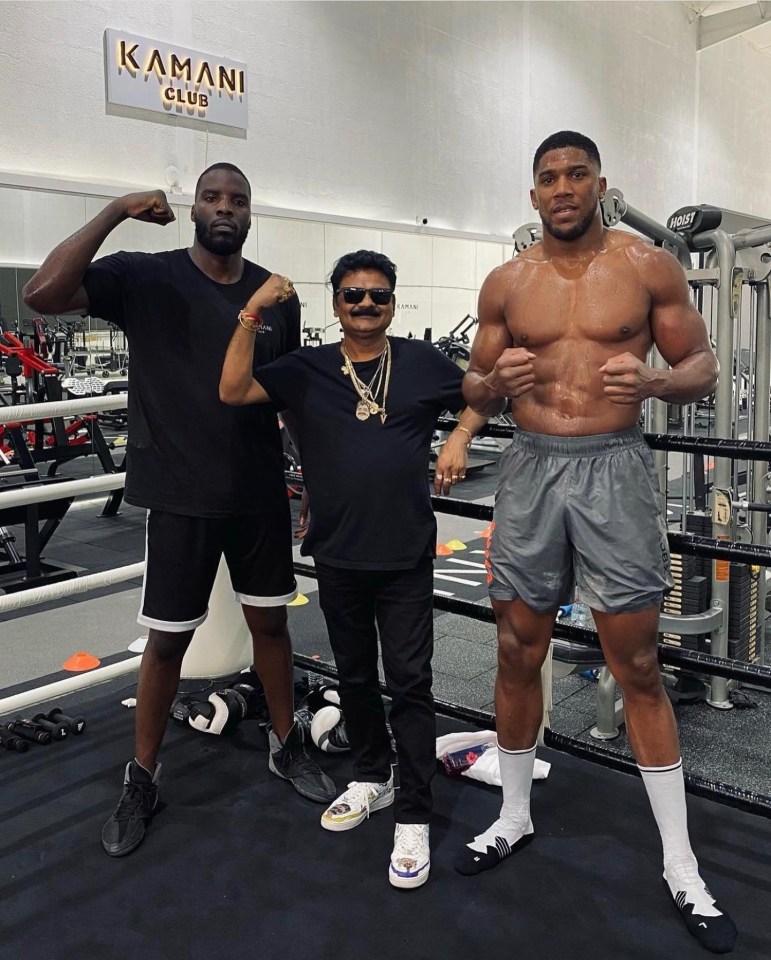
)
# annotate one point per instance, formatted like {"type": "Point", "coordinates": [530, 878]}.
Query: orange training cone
{"type": "Point", "coordinates": [442, 550]}
{"type": "Point", "coordinates": [486, 532]}
{"type": "Point", "coordinates": [81, 661]}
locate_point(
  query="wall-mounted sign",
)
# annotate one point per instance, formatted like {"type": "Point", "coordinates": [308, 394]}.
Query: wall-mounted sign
{"type": "Point", "coordinates": [163, 78]}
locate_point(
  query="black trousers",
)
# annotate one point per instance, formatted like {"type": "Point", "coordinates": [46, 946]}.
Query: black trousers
{"type": "Point", "coordinates": [397, 606]}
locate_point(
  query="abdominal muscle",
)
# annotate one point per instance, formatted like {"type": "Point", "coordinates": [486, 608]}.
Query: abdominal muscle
{"type": "Point", "coordinates": [573, 317]}
{"type": "Point", "coordinates": [568, 398]}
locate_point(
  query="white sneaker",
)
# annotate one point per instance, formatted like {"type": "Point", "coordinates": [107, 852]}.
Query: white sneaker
{"type": "Point", "coordinates": [411, 858]}
{"type": "Point", "coordinates": [357, 803]}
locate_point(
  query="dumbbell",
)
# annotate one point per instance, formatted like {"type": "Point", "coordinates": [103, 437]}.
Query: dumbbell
{"type": "Point", "coordinates": [57, 730]}
{"type": "Point", "coordinates": [11, 742]}
{"type": "Point", "coordinates": [75, 725]}
{"type": "Point", "coordinates": [28, 730]}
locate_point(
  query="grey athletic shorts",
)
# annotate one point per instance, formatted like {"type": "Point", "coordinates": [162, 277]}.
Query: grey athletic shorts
{"type": "Point", "coordinates": [583, 512]}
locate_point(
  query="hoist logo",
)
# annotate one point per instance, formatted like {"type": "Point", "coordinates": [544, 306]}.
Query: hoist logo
{"type": "Point", "coordinates": [682, 221]}
{"type": "Point", "coordinates": [693, 220]}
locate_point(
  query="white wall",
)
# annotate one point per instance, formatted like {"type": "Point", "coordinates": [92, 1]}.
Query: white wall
{"type": "Point", "coordinates": [623, 73]}
{"type": "Point", "coordinates": [438, 276]}
{"type": "Point", "coordinates": [373, 113]}
{"type": "Point", "coordinates": [375, 110]}
{"type": "Point", "coordinates": [734, 152]}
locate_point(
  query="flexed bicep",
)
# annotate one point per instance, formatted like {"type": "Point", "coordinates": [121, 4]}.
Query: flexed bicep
{"type": "Point", "coordinates": [679, 331]}
{"type": "Point", "coordinates": [492, 339]}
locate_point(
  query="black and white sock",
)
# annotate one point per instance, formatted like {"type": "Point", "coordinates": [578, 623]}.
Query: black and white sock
{"type": "Point", "coordinates": [702, 915]}
{"type": "Point", "coordinates": [513, 828]}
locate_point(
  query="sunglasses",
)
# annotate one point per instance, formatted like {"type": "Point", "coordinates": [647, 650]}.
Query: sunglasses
{"type": "Point", "coordinates": [379, 295]}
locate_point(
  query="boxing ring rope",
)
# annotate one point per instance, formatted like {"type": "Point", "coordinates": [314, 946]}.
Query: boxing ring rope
{"type": "Point", "coordinates": [699, 786]}
{"type": "Point", "coordinates": [38, 491]}
{"type": "Point", "coordinates": [68, 588]}
{"type": "Point", "coordinates": [30, 412]}
{"type": "Point", "coordinates": [60, 688]}
{"type": "Point", "coordinates": [716, 446]}
{"type": "Point", "coordinates": [690, 543]}
{"type": "Point", "coordinates": [669, 655]}
{"type": "Point", "coordinates": [23, 495]}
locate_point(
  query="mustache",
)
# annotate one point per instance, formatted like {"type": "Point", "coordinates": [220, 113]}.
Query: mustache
{"type": "Point", "coordinates": [366, 312]}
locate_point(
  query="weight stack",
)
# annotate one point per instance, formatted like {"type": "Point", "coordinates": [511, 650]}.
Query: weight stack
{"type": "Point", "coordinates": [689, 595]}
{"type": "Point", "coordinates": [744, 622]}
{"type": "Point", "coordinates": [700, 524]}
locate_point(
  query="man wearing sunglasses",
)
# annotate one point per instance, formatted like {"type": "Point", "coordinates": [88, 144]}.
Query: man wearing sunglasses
{"type": "Point", "coordinates": [365, 411]}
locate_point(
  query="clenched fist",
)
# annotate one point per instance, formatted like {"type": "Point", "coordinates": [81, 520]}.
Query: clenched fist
{"type": "Point", "coordinates": [513, 373]}
{"type": "Point", "coordinates": [627, 380]}
{"type": "Point", "coordinates": [276, 289]}
{"type": "Point", "coordinates": [152, 207]}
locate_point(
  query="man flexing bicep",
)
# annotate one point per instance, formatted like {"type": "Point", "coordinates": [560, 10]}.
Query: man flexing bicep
{"type": "Point", "coordinates": [57, 287]}
{"type": "Point", "coordinates": [679, 332]}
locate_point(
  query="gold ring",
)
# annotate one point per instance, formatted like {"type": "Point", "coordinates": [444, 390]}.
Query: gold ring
{"type": "Point", "coordinates": [288, 290]}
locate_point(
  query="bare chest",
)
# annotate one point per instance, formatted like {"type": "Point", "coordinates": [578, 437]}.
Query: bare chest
{"type": "Point", "coordinates": [603, 302]}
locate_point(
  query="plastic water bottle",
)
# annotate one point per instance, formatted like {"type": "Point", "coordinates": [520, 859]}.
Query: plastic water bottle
{"type": "Point", "coordinates": [581, 616]}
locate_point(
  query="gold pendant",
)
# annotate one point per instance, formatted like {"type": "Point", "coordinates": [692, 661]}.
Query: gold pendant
{"type": "Point", "coordinates": [383, 416]}
{"type": "Point", "coordinates": [373, 407]}
{"type": "Point", "coordinates": [362, 410]}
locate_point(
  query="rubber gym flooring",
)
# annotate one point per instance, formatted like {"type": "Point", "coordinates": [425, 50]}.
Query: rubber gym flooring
{"type": "Point", "coordinates": [732, 746]}
{"type": "Point", "coordinates": [236, 864]}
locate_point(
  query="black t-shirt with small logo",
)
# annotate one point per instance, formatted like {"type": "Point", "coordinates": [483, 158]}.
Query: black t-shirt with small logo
{"type": "Point", "coordinates": [367, 481]}
{"type": "Point", "coordinates": [187, 451]}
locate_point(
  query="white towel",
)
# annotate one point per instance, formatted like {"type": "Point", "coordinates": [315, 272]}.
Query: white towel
{"type": "Point", "coordinates": [451, 742]}
{"type": "Point", "coordinates": [486, 769]}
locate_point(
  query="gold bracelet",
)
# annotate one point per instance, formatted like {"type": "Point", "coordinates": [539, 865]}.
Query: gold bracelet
{"type": "Point", "coordinates": [468, 432]}
{"type": "Point", "coordinates": [250, 321]}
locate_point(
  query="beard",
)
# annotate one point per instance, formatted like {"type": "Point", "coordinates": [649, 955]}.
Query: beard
{"type": "Point", "coordinates": [221, 244]}
{"type": "Point", "coordinates": [570, 233]}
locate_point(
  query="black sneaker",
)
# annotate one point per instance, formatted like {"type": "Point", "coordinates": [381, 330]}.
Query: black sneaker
{"type": "Point", "coordinates": [126, 828]}
{"type": "Point", "coordinates": [291, 762]}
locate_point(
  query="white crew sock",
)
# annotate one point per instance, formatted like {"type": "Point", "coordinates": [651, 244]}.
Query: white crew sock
{"type": "Point", "coordinates": [513, 823]}
{"type": "Point", "coordinates": [666, 792]}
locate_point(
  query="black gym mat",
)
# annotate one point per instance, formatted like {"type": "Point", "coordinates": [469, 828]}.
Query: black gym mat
{"type": "Point", "coordinates": [236, 864]}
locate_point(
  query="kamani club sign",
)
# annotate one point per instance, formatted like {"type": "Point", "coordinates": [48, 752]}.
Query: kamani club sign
{"type": "Point", "coordinates": [151, 75]}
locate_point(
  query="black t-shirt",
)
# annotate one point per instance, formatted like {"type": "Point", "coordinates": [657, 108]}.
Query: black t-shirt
{"type": "Point", "coordinates": [367, 481]}
{"type": "Point", "coordinates": [188, 452]}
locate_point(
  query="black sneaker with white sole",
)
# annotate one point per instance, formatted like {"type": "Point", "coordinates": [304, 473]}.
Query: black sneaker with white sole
{"type": "Point", "coordinates": [291, 762]}
{"type": "Point", "coordinates": [126, 828]}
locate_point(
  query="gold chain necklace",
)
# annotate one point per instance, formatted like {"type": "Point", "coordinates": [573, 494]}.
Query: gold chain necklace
{"type": "Point", "coordinates": [368, 403]}
{"type": "Point", "coordinates": [365, 389]}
